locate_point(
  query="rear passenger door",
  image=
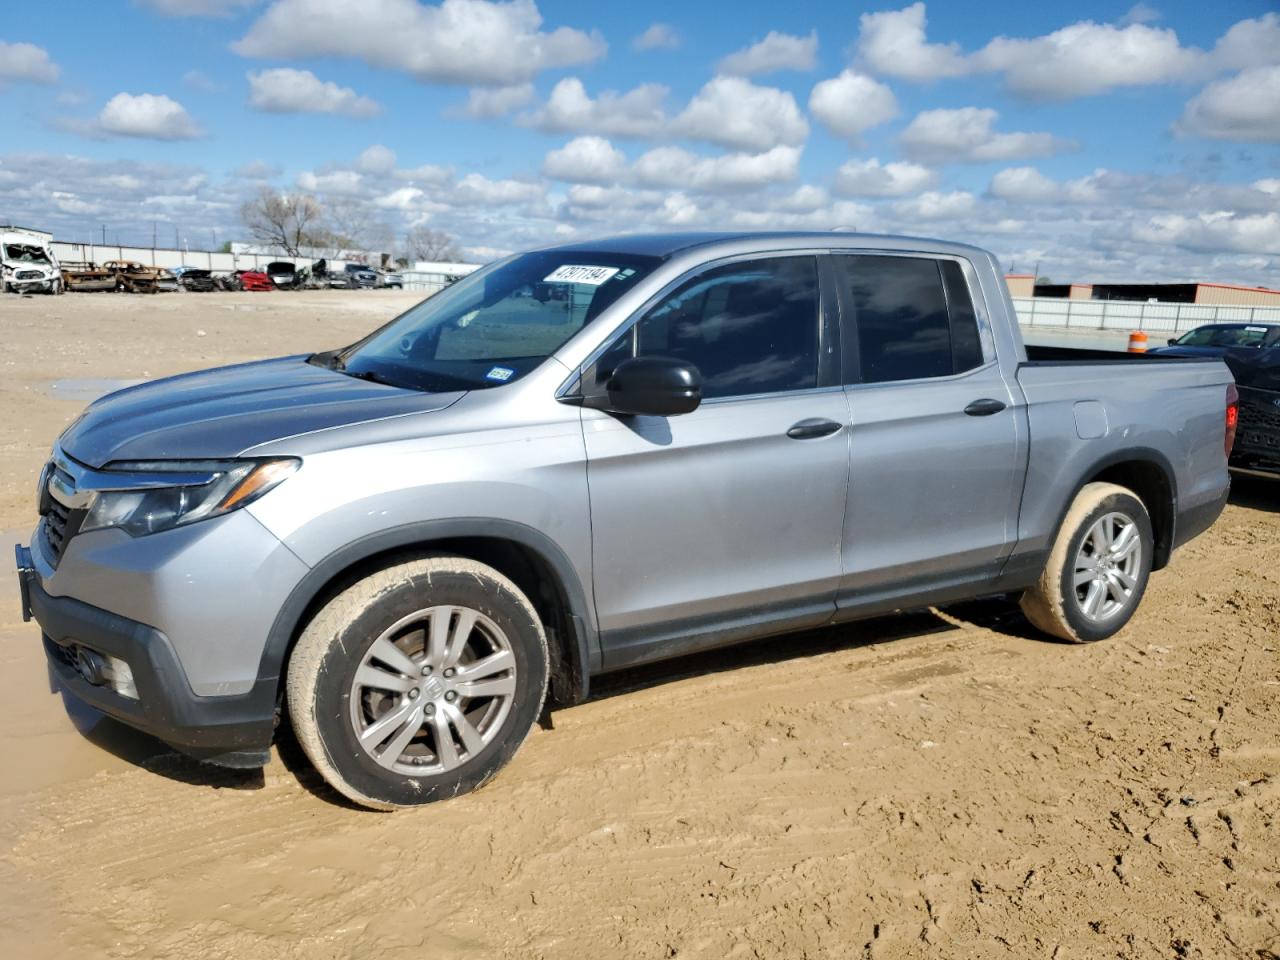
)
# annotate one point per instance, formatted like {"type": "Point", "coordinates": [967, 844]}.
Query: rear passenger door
{"type": "Point", "coordinates": [933, 485]}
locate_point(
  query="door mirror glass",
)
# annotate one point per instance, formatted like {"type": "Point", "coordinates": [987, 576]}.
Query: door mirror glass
{"type": "Point", "coordinates": [650, 386]}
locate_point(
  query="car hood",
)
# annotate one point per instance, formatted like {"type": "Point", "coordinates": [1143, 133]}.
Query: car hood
{"type": "Point", "coordinates": [222, 412]}
{"type": "Point", "coordinates": [1172, 351]}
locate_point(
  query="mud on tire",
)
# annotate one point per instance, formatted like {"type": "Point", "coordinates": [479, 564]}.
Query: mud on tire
{"type": "Point", "coordinates": [497, 677]}
{"type": "Point", "coordinates": [1054, 604]}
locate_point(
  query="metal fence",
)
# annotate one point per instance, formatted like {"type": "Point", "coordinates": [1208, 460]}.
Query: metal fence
{"type": "Point", "coordinates": [1127, 315]}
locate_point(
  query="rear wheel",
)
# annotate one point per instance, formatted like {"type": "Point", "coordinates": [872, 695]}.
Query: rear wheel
{"type": "Point", "coordinates": [419, 682]}
{"type": "Point", "coordinates": [1097, 570]}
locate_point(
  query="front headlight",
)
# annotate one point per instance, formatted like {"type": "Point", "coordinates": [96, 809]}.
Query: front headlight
{"type": "Point", "coordinates": [150, 496]}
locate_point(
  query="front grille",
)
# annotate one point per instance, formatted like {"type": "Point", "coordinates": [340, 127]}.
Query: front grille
{"type": "Point", "coordinates": [57, 524]}
{"type": "Point", "coordinates": [28, 275]}
{"type": "Point", "coordinates": [1259, 427]}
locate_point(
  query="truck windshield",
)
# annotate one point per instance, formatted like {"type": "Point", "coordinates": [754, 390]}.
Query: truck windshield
{"type": "Point", "coordinates": [25, 253]}
{"type": "Point", "coordinates": [495, 325]}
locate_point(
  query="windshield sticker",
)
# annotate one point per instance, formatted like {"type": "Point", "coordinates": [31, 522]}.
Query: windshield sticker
{"type": "Point", "coordinates": [501, 374]}
{"type": "Point", "coordinates": [593, 276]}
{"type": "Point", "coordinates": [1256, 329]}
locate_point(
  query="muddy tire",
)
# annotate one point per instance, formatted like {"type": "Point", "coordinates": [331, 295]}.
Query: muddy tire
{"type": "Point", "coordinates": [1098, 568]}
{"type": "Point", "coordinates": [418, 683]}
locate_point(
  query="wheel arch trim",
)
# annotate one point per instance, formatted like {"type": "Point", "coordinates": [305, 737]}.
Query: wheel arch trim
{"type": "Point", "coordinates": [583, 644]}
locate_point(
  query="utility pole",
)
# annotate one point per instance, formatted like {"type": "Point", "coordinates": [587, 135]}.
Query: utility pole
{"type": "Point", "coordinates": [104, 234]}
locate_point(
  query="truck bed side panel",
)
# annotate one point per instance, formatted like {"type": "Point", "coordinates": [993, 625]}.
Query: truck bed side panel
{"type": "Point", "coordinates": [1085, 417]}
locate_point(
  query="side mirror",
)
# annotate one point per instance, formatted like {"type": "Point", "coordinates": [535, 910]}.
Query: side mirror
{"type": "Point", "coordinates": [651, 386]}
{"type": "Point", "coordinates": [1173, 341]}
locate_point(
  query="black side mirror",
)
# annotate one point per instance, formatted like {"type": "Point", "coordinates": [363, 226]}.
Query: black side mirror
{"type": "Point", "coordinates": [1173, 341]}
{"type": "Point", "coordinates": [651, 386]}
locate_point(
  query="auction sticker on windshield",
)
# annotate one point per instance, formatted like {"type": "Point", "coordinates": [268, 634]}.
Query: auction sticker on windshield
{"type": "Point", "coordinates": [593, 276]}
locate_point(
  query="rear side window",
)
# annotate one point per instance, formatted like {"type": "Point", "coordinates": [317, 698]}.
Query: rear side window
{"type": "Point", "coordinates": [749, 328]}
{"type": "Point", "coordinates": [913, 316]}
{"type": "Point", "coordinates": [966, 345]}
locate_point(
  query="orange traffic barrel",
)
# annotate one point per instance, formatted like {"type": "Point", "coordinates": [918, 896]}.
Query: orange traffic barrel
{"type": "Point", "coordinates": [1137, 342]}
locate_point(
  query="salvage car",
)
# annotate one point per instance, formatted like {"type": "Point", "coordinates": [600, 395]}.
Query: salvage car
{"type": "Point", "coordinates": [284, 274]}
{"type": "Point", "coordinates": [28, 264]}
{"type": "Point", "coordinates": [87, 277]}
{"type": "Point", "coordinates": [409, 543]}
{"type": "Point", "coordinates": [134, 277]}
{"type": "Point", "coordinates": [197, 280]}
{"type": "Point", "coordinates": [361, 276]}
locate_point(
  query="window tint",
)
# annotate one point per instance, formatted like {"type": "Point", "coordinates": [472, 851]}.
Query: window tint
{"type": "Point", "coordinates": [966, 345]}
{"type": "Point", "coordinates": [904, 329]}
{"type": "Point", "coordinates": [748, 327]}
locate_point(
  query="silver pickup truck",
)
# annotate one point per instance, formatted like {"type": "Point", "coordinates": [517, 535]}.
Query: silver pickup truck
{"type": "Point", "coordinates": [589, 457]}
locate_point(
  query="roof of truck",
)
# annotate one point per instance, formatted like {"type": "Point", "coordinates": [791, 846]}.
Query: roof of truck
{"type": "Point", "coordinates": [667, 244]}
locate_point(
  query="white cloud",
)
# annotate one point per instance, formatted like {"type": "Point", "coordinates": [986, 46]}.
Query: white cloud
{"type": "Point", "coordinates": [1024, 184]}
{"type": "Point", "coordinates": [1243, 107]}
{"type": "Point", "coordinates": [570, 109]}
{"type": "Point", "coordinates": [675, 167]}
{"type": "Point", "coordinates": [737, 114]}
{"type": "Point", "coordinates": [376, 160]}
{"type": "Point", "coordinates": [428, 174]}
{"type": "Point", "coordinates": [777, 51]}
{"type": "Point", "coordinates": [285, 90]}
{"type": "Point", "coordinates": [1249, 43]}
{"type": "Point", "coordinates": [343, 183]}
{"type": "Point", "coordinates": [893, 43]}
{"type": "Point", "coordinates": [1211, 232]}
{"type": "Point", "coordinates": [473, 42]}
{"type": "Point", "coordinates": [851, 103]}
{"type": "Point", "coordinates": [257, 170]}
{"type": "Point", "coordinates": [1085, 58]}
{"type": "Point", "coordinates": [1088, 58]}
{"type": "Point", "coordinates": [868, 178]}
{"type": "Point", "coordinates": [490, 102]}
{"type": "Point", "coordinates": [658, 36]}
{"type": "Point", "coordinates": [965, 135]}
{"type": "Point", "coordinates": [145, 115]}
{"type": "Point", "coordinates": [586, 160]}
{"type": "Point", "coordinates": [933, 205]}
{"type": "Point", "coordinates": [27, 63]}
{"type": "Point", "coordinates": [198, 8]}
{"type": "Point", "coordinates": [477, 190]}
{"type": "Point", "coordinates": [1141, 13]}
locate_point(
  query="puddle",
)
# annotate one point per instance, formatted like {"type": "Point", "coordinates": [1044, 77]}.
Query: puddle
{"type": "Point", "coordinates": [87, 389]}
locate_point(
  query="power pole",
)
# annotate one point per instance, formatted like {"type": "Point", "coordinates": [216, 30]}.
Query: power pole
{"type": "Point", "coordinates": [153, 234]}
{"type": "Point", "coordinates": [104, 234]}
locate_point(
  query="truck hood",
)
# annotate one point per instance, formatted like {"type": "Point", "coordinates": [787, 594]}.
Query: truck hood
{"type": "Point", "coordinates": [220, 413]}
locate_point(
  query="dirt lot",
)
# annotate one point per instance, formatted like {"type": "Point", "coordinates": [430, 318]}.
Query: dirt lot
{"type": "Point", "coordinates": [936, 784]}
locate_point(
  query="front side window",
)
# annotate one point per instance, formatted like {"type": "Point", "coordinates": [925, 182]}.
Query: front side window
{"type": "Point", "coordinates": [496, 325]}
{"type": "Point", "coordinates": [906, 327]}
{"type": "Point", "coordinates": [749, 328]}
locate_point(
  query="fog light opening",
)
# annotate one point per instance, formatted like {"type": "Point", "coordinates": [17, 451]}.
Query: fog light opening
{"type": "Point", "coordinates": [122, 678]}
{"type": "Point", "coordinates": [100, 670]}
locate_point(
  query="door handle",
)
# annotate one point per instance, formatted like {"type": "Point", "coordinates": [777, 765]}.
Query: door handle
{"type": "Point", "coordinates": [813, 428]}
{"type": "Point", "coordinates": [984, 408]}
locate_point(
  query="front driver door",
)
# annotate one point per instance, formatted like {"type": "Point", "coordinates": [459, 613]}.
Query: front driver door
{"type": "Point", "coordinates": [724, 522]}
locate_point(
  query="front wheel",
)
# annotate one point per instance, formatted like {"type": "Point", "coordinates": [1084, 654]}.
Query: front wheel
{"type": "Point", "coordinates": [1097, 570]}
{"type": "Point", "coordinates": [419, 682]}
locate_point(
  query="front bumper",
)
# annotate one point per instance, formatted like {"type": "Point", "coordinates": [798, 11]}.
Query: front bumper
{"type": "Point", "coordinates": [229, 730]}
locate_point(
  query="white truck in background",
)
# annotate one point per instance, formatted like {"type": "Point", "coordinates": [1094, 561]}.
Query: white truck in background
{"type": "Point", "coordinates": [27, 262]}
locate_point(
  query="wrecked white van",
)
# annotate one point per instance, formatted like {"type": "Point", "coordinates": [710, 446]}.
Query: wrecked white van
{"type": "Point", "coordinates": [27, 263]}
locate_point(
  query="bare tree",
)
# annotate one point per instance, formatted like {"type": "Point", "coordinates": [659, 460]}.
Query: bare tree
{"type": "Point", "coordinates": [285, 221]}
{"type": "Point", "coordinates": [433, 246]}
{"type": "Point", "coordinates": [353, 225]}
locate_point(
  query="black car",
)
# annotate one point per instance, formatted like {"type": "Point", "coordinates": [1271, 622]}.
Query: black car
{"type": "Point", "coordinates": [195, 280]}
{"type": "Point", "coordinates": [1257, 446]}
{"type": "Point", "coordinates": [1217, 339]}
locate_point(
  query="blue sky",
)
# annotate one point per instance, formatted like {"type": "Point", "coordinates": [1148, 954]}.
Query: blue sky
{"type": "Point", "coordinates": [1098, 139]}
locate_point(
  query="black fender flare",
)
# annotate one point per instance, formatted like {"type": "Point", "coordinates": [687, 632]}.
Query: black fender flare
{"type": "Point", "coordinates": [584, 643]}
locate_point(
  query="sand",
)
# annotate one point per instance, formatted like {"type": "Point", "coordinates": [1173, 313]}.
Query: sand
{"type": "Point", "coordinates": [943, 783]}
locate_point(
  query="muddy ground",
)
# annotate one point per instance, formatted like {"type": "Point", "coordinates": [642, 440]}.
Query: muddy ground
{"type": "Point", "coordinates": [937, 784]}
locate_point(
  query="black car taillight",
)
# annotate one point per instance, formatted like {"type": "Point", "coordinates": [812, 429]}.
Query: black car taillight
{"type": "Point", "coordinates": [1233, 417]}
